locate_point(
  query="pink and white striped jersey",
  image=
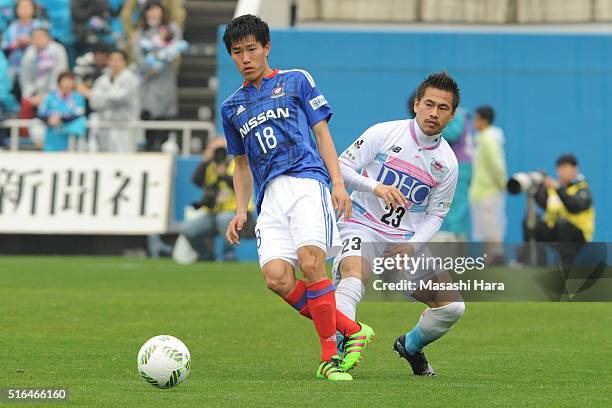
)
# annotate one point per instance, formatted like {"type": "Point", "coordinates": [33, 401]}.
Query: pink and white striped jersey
{"type": "Point", "coordinates": [424, 168]}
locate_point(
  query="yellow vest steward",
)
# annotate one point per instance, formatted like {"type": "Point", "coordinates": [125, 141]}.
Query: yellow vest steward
{"type": "Point", "coordinates": [584, 220]}
{"type": "Point", "coordinates": [226, 198]}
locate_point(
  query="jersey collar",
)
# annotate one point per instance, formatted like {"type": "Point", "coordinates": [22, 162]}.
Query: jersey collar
{"type": "Point", "coordinates": [270, 75]}
{"type": "Point", "coordinates": [422, 140]}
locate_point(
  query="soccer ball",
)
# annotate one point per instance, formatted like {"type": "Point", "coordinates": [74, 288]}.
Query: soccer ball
{"type": "Point", "coordinates": [164, 361]}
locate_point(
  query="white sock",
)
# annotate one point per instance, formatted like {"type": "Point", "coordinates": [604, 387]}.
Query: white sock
{"type": "Point", "coordinates": [432, 325]}
{"type": "Point", "coordinates": [348, 294]}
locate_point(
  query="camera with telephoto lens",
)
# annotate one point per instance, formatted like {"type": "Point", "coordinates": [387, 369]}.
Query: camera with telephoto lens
{"type": "Point", "coordinates": [527, 182]}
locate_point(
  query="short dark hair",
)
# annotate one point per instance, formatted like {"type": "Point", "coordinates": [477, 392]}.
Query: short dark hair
{"type": "Point", "coordinates": [567, 159]}
{"type": "Point", "coordinates": [66, 74]}
{"type": "Point", "coordinates": [246, 26]}
{"type": "Point", "coordinates": [487, 113]}
{"type": "Point", "coordinates": [101, 47]}
{"type": "Point", "coordinates": [442, 81]}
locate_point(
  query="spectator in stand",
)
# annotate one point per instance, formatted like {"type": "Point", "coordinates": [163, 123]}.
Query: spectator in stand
{"type": "Point", "coordinates": [60, 23]}
{"type": "Point", "coordinates": [7, 13]}
{"type": "Point", "coordinates": [8, 104]}
{"type": "Point", "coordinates": [91, 65]}
{"type": "Point", "coordinates": [132, 12]}
{"type": "Point", "coordinates": [115, 23]}
{"type": "Point", "coordinates": [114, 98]}
{"type": "Point", "coordinates": [18, 35]}
{"type": "Point", "coordinates": [63, 110]}
{"type": "Point", "coordinates": [41, 65]}
{"type": "Point", "coordinates": [157, 44]}
{"type": "Point", "coordinates": [90, 22]}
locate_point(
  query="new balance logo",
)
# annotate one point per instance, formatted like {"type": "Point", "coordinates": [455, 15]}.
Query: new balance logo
{"type": "Point", "coordinates": [240, 110]}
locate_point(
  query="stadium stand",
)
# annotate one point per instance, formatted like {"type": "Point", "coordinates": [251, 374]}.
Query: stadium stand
{"type": "Point", "coordinates": [466, 11]}
{"type": "Point", "coordinates": [197, 77]}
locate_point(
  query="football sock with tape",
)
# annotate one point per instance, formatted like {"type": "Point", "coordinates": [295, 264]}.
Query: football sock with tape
{"type": "Point", "coordinates": [434, 322]}
{"type": "Point", "coordinates": [348, 294]}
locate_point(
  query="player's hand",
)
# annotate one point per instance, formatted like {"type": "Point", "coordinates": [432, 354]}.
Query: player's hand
{"type": "Point", "coordinates": [390, 195]}
{"type": "Point", "coordinates": [342, 202]}
{"type": "Point", "coordinates": [233, 229]}
{"type": "Point", "coordinates": [399, 249]}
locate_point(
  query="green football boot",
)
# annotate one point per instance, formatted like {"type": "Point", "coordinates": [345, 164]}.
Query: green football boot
{"type": "Point", "coordinates": [355, 345]}
{"type": "Point", "coordinates": [332, 370]}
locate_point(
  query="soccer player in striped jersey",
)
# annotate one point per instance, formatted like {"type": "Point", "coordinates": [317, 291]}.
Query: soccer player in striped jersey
{"type": "Point", "coordinates": [267, 124]}
{"type": "Point", "coordinates": [403, 175]}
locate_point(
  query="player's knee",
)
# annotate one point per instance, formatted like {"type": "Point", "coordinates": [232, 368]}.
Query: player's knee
{"type": "Point", "coordinates": [309, 268]}
{"type": "Point", "coordinates": [278, 284]}
{"type": "Point", "coordinates": [312, 265]}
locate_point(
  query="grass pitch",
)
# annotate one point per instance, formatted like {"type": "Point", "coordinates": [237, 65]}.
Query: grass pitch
{"type": "Point", "coordinates": [78, 323]}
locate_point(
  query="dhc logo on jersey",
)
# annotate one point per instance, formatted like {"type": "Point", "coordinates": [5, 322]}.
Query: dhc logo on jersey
{"type": "Point", "coordinates": [263, 117]}
{"type": "Point", "coordinates": [415, 190]}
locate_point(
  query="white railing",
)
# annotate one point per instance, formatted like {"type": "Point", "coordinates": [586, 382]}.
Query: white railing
{"type": "Point", "coordinates": [185, 127]}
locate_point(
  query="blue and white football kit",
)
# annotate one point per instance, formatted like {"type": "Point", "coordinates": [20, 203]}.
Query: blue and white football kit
{"type": "Point", "coordinates": [271, 125]}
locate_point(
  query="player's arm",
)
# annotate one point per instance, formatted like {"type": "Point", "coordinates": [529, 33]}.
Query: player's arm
{"type": "Point", "coordinates": [243, 187]}
{"type": "Point", "coordinates": [357, 156]}
{"type": "Point", "coordinates": [242, 179]}
{"type": "Point", "coordinates": [340, 198]}
{"type": "Point", "coordinates": [439, 205]}
{"type": "Point", "coordinates": [318, 113]}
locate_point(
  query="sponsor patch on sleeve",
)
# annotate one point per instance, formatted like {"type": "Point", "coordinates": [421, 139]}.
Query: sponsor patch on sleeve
{"type": "Point", "coordinates": [444, 205]}
{"type": "Point", "coordinates": [317, 102]}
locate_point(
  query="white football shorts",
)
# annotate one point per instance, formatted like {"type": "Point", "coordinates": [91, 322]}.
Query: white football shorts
{"type": "Point", "coordinates": [369, 244]}
{"type": "Point", "coordinates": [295, 212]}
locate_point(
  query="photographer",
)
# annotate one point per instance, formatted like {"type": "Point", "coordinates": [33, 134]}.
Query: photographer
{"type": "Point", "coordinates": [569, 216]}
{"type": "Point", "coordinates": [218, 205]}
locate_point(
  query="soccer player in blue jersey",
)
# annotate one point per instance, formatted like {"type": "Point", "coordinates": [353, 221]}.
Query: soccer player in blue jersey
{"type": "Point", "coordinates": [267, 124]}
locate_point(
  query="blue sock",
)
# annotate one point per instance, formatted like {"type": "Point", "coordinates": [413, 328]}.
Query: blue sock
{"type": "Point", "coordinates": [414, 341]}
{"type": "Point", "coordinates": [339, 340]}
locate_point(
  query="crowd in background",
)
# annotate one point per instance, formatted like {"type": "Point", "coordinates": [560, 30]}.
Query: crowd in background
{"type": "Point", "coordinates": [74, 63]}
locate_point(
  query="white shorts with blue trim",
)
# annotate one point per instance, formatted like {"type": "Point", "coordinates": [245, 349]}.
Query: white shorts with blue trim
{"type": "Point", "coordinates": [369, 244]}
{"type": "Point", "coordinates": [295, 212]}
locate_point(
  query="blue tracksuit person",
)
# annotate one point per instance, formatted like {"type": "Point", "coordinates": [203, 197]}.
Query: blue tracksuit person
{"type": "Point", "coordinates": [64, 112]}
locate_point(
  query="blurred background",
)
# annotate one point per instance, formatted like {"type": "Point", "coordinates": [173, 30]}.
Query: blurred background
{"type": "Point", "coordinates": [111, 153]}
